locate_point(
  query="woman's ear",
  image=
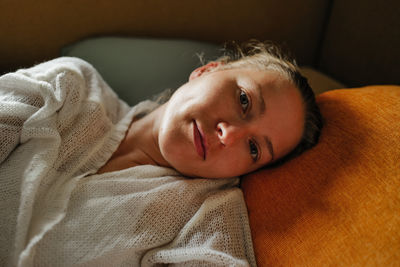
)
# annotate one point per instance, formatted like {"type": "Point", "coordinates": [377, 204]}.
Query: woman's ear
{"type": "Point", "coordinates": [206, 68]}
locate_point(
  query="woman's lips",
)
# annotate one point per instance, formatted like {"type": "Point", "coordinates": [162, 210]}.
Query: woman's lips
{"type": "Point", "coordinates": [199, 141]}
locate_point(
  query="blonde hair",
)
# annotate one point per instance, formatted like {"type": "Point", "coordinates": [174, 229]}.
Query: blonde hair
{"type": "Point", "coordinates": [258, 55]}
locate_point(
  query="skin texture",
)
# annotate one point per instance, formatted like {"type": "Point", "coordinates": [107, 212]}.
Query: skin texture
{"type": "Point", "coordinates": [212, 100]}
{"type": "Point", "coordinates": [225, 108]}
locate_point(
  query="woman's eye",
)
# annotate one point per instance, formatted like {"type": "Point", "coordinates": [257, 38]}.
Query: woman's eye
{"type": "Point", "coordinates": [253, 151]}
{"type": "Point", "coordinates": [244, 101]}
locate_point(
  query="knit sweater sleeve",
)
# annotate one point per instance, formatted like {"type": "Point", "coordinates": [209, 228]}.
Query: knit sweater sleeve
{"type": "Point", "coordinates": [59, 120]}
{"type": "Point", "coordinates": [36, 95]}
{"type": "Point", "coordinates": [16, 107]}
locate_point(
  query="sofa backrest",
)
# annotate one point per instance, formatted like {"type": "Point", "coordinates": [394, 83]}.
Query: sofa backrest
{"type": "Point", "coordinates": [33, 31]}
{"type": "Point", "coordinates": [362, 42]}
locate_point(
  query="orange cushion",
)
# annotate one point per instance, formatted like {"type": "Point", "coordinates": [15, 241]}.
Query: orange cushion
{"type": "Point", "coordinates": [338, 203]}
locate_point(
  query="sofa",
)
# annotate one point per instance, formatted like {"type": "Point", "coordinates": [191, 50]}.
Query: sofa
{"type": "Point", "coordinates": [337, 204]}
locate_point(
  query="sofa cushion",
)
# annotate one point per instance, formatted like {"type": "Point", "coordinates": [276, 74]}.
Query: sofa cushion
{"type": "Point", "coordinates": [319, 81]}
{"type": "Point", "coordinates": [338, 203]}
{"type": "Point", "coordinates": [138, 68]}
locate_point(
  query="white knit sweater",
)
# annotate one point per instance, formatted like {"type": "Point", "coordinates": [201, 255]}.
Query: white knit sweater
{"type": "Point", "coordinates": [59, 123]}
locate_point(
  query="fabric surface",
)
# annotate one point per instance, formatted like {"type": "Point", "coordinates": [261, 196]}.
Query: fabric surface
{"type": "Point", "coordinates": [339, 203]}
{"type": "Point", "coordinates": [59, 123]}
{"type": "Point", "coordinates": [319, 81]}
{"type": "Point", "coordinates": [298, 24]}
{"type": "Point", "coordinates": [362, 47]}
{"type": "Point", "coordinates": [149, 65]}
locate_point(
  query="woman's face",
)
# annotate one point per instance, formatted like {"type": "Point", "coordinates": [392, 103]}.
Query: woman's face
{"type": "Point", "coordinates": [230, 122]}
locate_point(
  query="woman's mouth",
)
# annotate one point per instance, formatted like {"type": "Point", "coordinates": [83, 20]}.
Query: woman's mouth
{"type": "Point", "coordinates": [199, 141]}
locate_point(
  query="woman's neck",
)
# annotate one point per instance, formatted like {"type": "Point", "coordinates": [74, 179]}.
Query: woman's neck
{"type": "Point", "coordinates": [140, 145]}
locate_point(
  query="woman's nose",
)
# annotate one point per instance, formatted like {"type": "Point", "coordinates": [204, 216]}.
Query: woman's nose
{"type": "Point", "coordinates": [228, 134]}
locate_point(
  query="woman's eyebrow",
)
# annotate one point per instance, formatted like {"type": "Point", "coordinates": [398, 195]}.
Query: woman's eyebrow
{"type": "Point", "coordinates": [269, 147]}
{"type": "Point", "coordinates": [261, 102]}
{"type": "Point", "coordinates": [261, 108]}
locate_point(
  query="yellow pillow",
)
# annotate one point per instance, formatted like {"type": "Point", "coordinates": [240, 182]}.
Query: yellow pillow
{"type": "Point", "coordinates": [338, 203]}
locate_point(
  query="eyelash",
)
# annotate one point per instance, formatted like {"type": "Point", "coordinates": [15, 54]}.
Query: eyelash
{"type": "Point", "coordinates": [244, 100]}
{"type": "Point", "coordinates": [253, 149]}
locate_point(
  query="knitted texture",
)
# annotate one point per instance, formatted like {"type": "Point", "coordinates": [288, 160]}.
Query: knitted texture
{"type": "Point", "coordinates": [59, 123]}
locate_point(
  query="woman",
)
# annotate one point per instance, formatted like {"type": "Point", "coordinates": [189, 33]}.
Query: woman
{"type": "Point", "coordinates": [232, 117]}
{"type": "Point", "coordinates": [87, 180]}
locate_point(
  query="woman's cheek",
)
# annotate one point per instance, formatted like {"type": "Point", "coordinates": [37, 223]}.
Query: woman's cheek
{"type": "Point", "coordinates": [233, 162]}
